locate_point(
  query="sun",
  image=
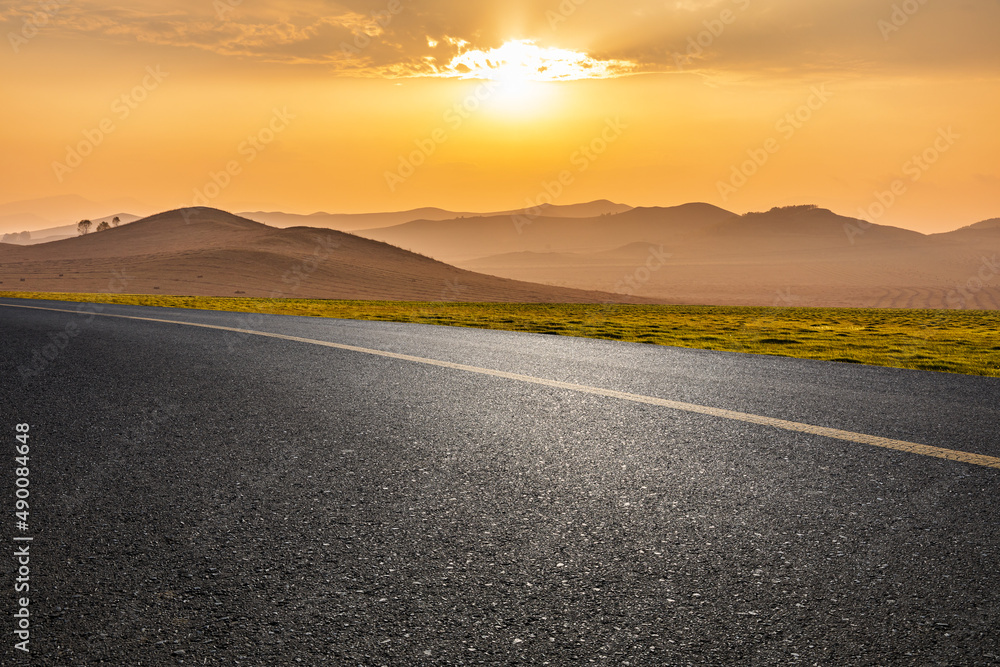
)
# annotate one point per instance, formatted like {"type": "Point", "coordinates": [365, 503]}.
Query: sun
{"type": "Point", "coordinates": [522, 60]}
{"type": "Point", "coordinates": [525, 74]}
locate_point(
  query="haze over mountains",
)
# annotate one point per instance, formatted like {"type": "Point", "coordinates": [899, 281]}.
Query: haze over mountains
{"type": "Point", "coordinates": [699, 253]}
{"type": "Point", "coordinates": [54, 218]}
{"type": "Point", "coordinates": [51, 216]}
{"type": "Point", "coordinates": [207, 252]}
{"type": "Point", "coordinates": [349, 222]}
{"type": "Point", "coordinates": [61, 232]}
{"type": "Point", "coordinates": [694, 253]}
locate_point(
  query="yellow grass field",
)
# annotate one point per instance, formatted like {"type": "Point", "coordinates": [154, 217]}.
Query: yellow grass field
{"type": "Point", "coordinates": [954, 341]}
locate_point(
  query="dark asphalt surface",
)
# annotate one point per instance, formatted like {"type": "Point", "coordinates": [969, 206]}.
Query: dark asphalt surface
{"type": "Point", "coordinates": [205, 497]}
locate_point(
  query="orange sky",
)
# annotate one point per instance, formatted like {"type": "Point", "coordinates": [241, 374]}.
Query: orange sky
{"type": "Point", "coordinates": [388, 105]}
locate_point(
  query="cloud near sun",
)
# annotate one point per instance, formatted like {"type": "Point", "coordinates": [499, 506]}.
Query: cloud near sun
{"type": "Point", "coordinates": [544, 39]}
{"type": "Point", "coordinates": [524, 60]}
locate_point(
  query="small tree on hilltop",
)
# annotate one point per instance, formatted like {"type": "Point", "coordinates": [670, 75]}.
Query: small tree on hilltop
{"type": "Point", "coordinates": [115, 222]}
{"type": "Point", "coordinates": [103, 225]}
{"type": "Point", "coordinates": [83, 226]}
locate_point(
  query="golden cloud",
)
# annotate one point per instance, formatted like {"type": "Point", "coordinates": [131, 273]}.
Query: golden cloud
{"type": "Point", "coordinates": [523, 60]}
{"type": "Point", "coordinates": [597, 39]}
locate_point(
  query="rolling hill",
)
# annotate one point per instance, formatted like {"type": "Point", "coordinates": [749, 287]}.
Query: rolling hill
{"type": "Point", "coordinates": [695, 253]}
{"type": "Point", "coordinates": [208, 252]}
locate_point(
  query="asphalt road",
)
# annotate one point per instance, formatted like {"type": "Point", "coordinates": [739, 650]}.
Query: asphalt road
{"type": "Point", "coordinates": [201, 496]}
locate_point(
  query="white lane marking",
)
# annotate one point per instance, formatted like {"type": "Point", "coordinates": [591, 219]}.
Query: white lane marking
{"type": "Point", "coordinates": [837, 434]}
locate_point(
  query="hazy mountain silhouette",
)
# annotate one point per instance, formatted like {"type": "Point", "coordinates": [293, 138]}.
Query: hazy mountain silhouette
{"type": "Point", "coordinates": [203, 251]}
{"type": "Point", "coordinates": [695, 253]}
{"type": "Point", "coordinates": [787, 256]}
{"type": "Point", "coordinates": [36, 215]}
{"type": "Point", "coordinates": [349, 222]}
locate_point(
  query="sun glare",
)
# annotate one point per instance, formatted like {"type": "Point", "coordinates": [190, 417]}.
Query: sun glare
{"type": "Point", "coordinates": [521, 61]}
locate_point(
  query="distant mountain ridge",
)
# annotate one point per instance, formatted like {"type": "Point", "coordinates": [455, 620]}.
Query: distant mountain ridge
{"type": "Point", "coordinates": [49, 213]}
{"type": "Point", "coordinates": [992, 223]}
{"type": "Point", "coordinates": [698, 253]}
{"type": "Point", "coordinates": [693, 253]}
{"type": "Point", "coordinates": [695, 225]}
{"type": "Point", "coordinates": [350, 222]}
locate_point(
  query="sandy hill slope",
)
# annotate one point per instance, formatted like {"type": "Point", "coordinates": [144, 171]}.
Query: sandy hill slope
{"type": "Point", "coordinates": [203, 251]}
{"type": "Point", "coordinates": [349, 222]}
{"type": "Point", "coordinates": [986, 229]}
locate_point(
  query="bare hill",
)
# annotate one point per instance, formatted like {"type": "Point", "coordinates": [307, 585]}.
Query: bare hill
{"type": "Point", "coordinates": [207, 252]}
{"type": "Point", "coordinates": [985, 229]}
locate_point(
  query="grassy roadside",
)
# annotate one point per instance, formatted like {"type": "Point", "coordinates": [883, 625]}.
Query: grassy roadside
{"type": "Point", "coordinates": [955, 341]}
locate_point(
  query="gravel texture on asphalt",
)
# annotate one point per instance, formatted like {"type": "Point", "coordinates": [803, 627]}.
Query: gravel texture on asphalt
{"type": "Point", "coordinates": [206, 497]}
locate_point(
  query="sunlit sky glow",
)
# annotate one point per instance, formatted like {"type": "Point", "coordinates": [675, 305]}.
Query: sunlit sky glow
{"type": "Point", "coordinates": [523, 60]}
{"type": "Point", "coordinates": [699, 86]}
